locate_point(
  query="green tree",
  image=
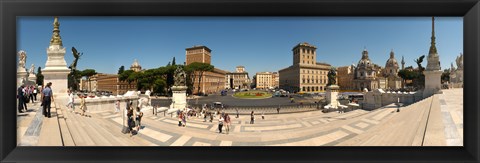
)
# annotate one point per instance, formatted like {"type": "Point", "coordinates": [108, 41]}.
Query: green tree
{"type": "Point", "coordinates": [74, 79]}
{"type": "Point", "coordinates": [39, 76]}
{"type": "Point", "coordinates": [169, 72]}
{"type": "Point", "coordinates": [146, 79]}
{"type": "Point", "coordinates": [173, 61]}
{"type": "Point", "coordinates": [196, 70]}
{"type": "Point", "coordinates": [124, 75]}
{"type": "Point", "coordinates": [445, 75]}
{"type": "Point", "coordinates": [121, 70]}
{"type": "Point", "coordinates": [88, 73]}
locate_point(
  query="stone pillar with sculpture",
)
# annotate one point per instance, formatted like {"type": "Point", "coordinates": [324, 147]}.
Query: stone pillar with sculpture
{"type": "Point", "coordinates": [179, 90]}
{"type": "Point", "coordinates": [433, 72]}
{"type": "Point", "coordinates": [31, 74]}
{"type": "Point", "coordinates": [22, 75]}
{"type": "Point", "coordinates": [56, 70]}
{"type": "Point", "coordinates": [332, 91]}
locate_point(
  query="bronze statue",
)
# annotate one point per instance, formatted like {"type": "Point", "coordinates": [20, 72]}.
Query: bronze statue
{"type": "Point", "coordinates": [77, 56]}
{"type": "Point", "coordinates": [73, 66]}
{"type": "Point", "coordinates": [332, 76]}
{"type": "Point", "coordinates": [180, 77]}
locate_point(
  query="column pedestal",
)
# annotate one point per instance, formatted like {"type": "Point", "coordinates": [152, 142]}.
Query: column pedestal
{"type": "Point", "coordinates": [432, 83]}
{"type": "Point", "coordinates": [179, 97]}
{"type": "Point", "coordinates": [56, 71]}
{"type": "Point", "coordinates": [331, 95]}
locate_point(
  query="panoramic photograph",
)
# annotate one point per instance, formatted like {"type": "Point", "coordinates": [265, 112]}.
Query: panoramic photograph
{"type": "Point", "coordinates": [239, 81]}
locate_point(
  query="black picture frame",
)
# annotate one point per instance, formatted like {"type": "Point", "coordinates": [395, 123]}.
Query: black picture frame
{"type": "Point", "coordinates": [469, 9]}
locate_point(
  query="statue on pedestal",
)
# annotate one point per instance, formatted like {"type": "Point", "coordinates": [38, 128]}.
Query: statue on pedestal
{"type": "Point", "coordinates": [332, 77]}
{"type": "Point", "coordinates": [32, 69]}
{"type": "Point", "coordinates": [179, 77]}
{"type": "Point", "coordinates": [77, 56]}
{"type": "Point", "coordinates": [22, 59]}
{"type": "Point", "coordinates": [73, 67]}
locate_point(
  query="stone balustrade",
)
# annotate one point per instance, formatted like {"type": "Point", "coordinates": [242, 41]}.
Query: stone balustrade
{"type": "Point", "coordinates": [104, 103]}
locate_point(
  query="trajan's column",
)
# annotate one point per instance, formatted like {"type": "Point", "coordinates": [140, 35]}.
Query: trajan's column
{"type": "Point", "coordinates": [56, 70]}
{"type": "Point", "coordinates": [433, 72]}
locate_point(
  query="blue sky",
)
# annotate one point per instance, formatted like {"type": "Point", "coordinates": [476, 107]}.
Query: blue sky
{"type": "Point", "coordinates": [258, 43]}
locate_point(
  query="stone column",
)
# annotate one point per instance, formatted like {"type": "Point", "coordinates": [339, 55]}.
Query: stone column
{"type": "Point", "coordinates": [56, 70]}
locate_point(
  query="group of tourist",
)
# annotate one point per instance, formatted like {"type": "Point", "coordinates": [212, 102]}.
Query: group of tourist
{"type": "Point", "coordinates": [224, 119]}
{"type": "Point", "coordinates": [133, 119]}
{"type": "Point", "coordinates": [71, 105]}
{"type": "Point", "coordinates": [25, 94]}
{"type": "Point", "coordinates": [182, 117]}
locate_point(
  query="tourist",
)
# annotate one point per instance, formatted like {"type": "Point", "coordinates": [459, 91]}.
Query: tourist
{"type": "Point", "coordinates": [211, 117]}
{"type": "Point", "coordinates": [20, 98]}
{"type": "Point", "coordinates": [154, 109]}
{"type": "Point", "coordinates": [278, 109]}
{"type": "Point", "coordinates": [47, 100]}
{"type": "Point", "coordinates": [204, 112]}
{"type": "Point", "coordinates": [70, 100]}
{"type": "Point", "coordinates": [180, 115]}
{"type": "Point", "coordinates": [25, 97]}
{"type": "Point", "coordinates": [220, 123]}
{"type": "Point", "coordinates": [117, 106]}
{"type": "Point", "coordinates": [252, 117]}
{"type": "Point", "coordinates": [35, 93]}
{"type": "Point", "coordinates": [236, 109]}
{"type": "Point", "coordinates": [30, 94]}
{"type": "Point", "coordinates": [138, 118]}
{"type": "Point", "coordinates": [227, 122]}
{"type": "Point", "coordinates": [83, 107]}
{"type": "Point", "coordinates": [184, 118]}
{"type": "Point", "coordinates": [130, 122]}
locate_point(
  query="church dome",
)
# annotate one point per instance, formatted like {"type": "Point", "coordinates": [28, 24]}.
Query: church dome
{"type": "Point", "coordinates": [365, 61]}
{"type": "Point", "coordinates": [135, 64]}
{"type": "Point", "coordinates": [391, 62]}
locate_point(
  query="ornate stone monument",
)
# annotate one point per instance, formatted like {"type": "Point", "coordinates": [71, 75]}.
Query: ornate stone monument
{"type": "Point", "coordinates": [21, 71]}
{"type": "Point", "coordinates": [456, 75]}
{"type": "Point", "coordinates": [56, 70]}
{"type": "Point", "coordinates": [179, 89]}
{"type": "Point", "coordinates": [332, 90]}
{"type": "Point", "coordinates": [433, 72]}
{"type": "Point", "coordinates": [32, 77]}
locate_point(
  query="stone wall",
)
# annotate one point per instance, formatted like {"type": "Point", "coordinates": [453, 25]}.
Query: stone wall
{"type": "Point", "coordinates": [379, 98]}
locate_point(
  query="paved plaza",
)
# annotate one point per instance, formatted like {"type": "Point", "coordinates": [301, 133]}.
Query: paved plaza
{"type": "Point", "coordinates": [434, 121]}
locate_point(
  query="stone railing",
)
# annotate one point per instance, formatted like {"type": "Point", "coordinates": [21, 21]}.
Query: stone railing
{"type": "Point", "coordinates": [104, 103]}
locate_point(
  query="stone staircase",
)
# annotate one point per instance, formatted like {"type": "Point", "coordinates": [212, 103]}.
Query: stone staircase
{"type": "Point", "coordinates": [405, 128]}
{"type": "Point", "coordinates": [93, 130]}
{"type": "Point", "coordinates": [409, 127]}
